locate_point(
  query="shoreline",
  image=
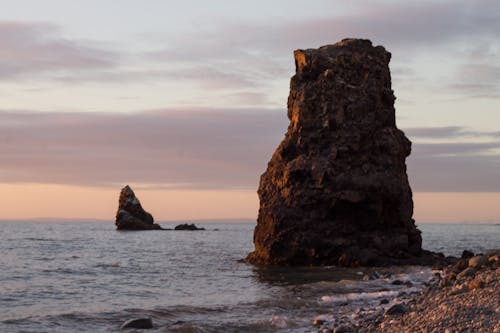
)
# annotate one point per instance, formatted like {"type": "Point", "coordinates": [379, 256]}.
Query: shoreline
{"type": "Point", "coordinates": [460, 297]}
{"type": "Point", "coordinates": [463, 297]}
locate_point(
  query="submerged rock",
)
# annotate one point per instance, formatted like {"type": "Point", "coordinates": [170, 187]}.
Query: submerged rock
{"type": "Point", "coordinates": [131, 215]}
{"type": "Point", "coordinates": [336, 189]}
{"type": "Point", "coordinates": [142, 323]}
{"type": "Point", "coordinates": [189, 227]}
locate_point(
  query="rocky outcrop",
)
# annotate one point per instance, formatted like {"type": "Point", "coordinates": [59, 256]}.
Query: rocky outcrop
{"type": "Point", "coordinates": [336, 190]}
{"type": "Point", "coordinates": [188, 227]}
{"type": "Point", "coordinates": [131, 215]}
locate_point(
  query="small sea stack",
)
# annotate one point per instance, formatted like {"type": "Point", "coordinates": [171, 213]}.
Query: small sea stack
{"type": "Point", "coordinates": [188, 227]}
{"type": "Point", "coordinates": [336, 190]}
{"type": "Point", "coordinates": [131, 215]}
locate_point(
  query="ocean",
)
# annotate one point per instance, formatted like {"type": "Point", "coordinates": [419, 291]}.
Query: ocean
{"type": "Point", "coordinates": [88, 277]}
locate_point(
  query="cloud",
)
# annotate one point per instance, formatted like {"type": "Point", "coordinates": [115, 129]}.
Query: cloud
{"type": "Point", "coordinates": [32, 48]}
{"type": "Point", "coordinates": [412, 31]}
{"type": "Point", "coordinates": [206, 77]}
{"type": "Point", "coordinates": [477, 79]}
{"type": "Point", "coordinates": [179, 149]}
{"type": "Point", "coordinates": [455, 173]}
{"type": "Point", "coordinates": [229, 54]}
{"type": "Point", "coordinates": [457, 165]}
{"type": "Point", "coordinates": [447, 132]}
{"type": "Point", "coordinates": [450, 149]}
{"type": "Point", "coordinates": [200, 149]}
{"type": "Point", "coordinates": [415, 25]}
{"type": "Point", "coordinates": [434, 132]}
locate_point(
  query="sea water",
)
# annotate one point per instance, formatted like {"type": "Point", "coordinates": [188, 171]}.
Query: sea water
{"type": "Point", "coordinates": [88, 277]}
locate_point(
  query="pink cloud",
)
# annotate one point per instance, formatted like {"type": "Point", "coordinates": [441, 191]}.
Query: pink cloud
{"type": "Point", "coordinates": [204, 149]}
{"type": "Point", "coordinates": [29, 48]}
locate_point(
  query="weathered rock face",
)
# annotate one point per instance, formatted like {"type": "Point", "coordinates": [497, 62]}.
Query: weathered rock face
{"type": "Point", "coordinates": [336, 190]}
{"type": "Point", "coordinates": [131, 215]}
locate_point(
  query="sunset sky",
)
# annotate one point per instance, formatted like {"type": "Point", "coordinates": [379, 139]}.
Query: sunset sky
{"type": "Point", "coordinates": [186, 101]}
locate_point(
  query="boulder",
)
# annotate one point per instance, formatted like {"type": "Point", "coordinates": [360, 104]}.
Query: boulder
{"type": "Point", "coordinates": [188, 227]}
{"type": "Point", "coordinates": [141, 323]}
{"type": "Point", "coordinates": [336, 191]}
{"type": "Point", "coordinates": [397, 309]}
{"type": "Point", "coordinates": [131, 215]}
{"type": "Point", "coordinates": [478, 261]}
{"type": "Point", "coordinates": [466, 254]}
{"type": "Point", "coordinates": [468, 272]}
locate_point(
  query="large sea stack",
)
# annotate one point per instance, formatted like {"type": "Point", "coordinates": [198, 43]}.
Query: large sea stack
{"type": "Point", "coordinates": [336, 190]}
{"type": "Point", "coordinates": [131, 215]}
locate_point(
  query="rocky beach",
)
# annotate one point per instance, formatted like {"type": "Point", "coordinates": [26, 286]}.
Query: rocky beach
{"type": "Point", "coordinates": [462, 297]}
{"type": "Point", "coordinates": [256, 166]}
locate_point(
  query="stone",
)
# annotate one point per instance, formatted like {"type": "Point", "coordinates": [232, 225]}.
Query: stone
{"type": "Point", "coordinates": [476, 284]}
{"type": "Point", "coordinates": [467, 254]}
{"type": "Point", "coordinates": [398, 282]}
{"type": "Point", "coordinates": [188, 227]}
{"type": "Point", "coordinates": [478, 261]}
{"type": "Point", "coordinates": [468, 272]}
{"type": "Point", "coordinates": [460, 265]}
{"type": "Point", "coordinates": [142, 323]}
{"type": "Point", "coordinates": [131, 215]}
{"type": "Point", "coordinates": [341, 329]}
{"type": "Point", "coordinates": [318, 322]}
{"type": "Point", "coordinates": [396, 309]}
{"type": "Point", "coordinates": [337, 184]}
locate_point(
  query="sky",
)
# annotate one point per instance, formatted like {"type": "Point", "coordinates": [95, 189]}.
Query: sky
{"type": "Point", "coordinates": [186, 101]}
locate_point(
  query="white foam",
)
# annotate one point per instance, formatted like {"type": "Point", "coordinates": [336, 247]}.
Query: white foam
{"type": "Point", "coordinates": [351, 297]}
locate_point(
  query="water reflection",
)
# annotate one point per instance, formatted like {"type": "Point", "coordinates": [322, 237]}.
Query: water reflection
{"type": "Point", "coordinates": [276, 275]}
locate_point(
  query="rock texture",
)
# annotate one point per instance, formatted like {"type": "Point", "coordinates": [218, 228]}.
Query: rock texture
{"type": "Point", "coordinates": [131, 215]}
{"type": "Point", "coordinates": [336, 190]}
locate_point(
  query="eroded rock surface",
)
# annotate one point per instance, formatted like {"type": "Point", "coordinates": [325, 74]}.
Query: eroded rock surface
{"type": "Point", "coordinates": [336, 190]}
{"type": "Point", "coordinates": [131, 215]}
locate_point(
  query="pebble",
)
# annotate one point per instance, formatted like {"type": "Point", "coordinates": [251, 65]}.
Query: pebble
{"type": "Point", "coordinates": [470, 271]}
{"type": "Point", "coordinates": [478, 261]}
{"type": "Point", "coordinates": [318, 322]}
{"type": "Point", "coordinates": [467, 254]}
{"type": "Point", "coordinates": [494, 258]}
{"type": "Point", "coordinates": [475, 284]}
{"type": "Point", "coordinates": [396, 309]}
{"type": "Point", "coordinates": [341, 329]}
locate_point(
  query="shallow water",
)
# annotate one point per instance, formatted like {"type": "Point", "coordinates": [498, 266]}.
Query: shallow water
{"type": "Point", "coordinates": [88, 277]}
